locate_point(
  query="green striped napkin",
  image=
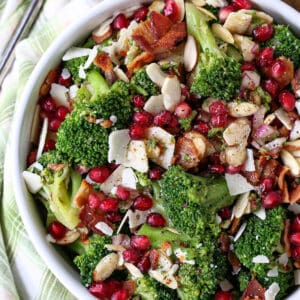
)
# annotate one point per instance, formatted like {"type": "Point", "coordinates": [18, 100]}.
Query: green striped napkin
{"type": "Point", "coordinates": [23, 275]}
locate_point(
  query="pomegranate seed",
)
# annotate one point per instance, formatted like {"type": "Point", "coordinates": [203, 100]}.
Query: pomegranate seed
{"type": "Point", "coordinates": [296, 224]}
{"type": "Point", "coordinates": [31, 158]}
{"type": "Point", "coordinates": [224, 12]}
{"type": "Point", "coordinates": [109, 204]}
{"type": "Point", "coordinates": [222, 295]}
{"type": "Point", "coordinates": [216, 169]}
{"type": "Point", "coordinates": [142, 202]}
{"type": "Point", "coordinates": [156, 220]}
{"type": "Point", "coordinates": [131, 256]}
{"type": "Point", "coordinates": [99, 174]}
{"type": "Point", "coordinates": [295, 238]}
{"type": "Point", "coordinates": [112, 166]}
{"type": "Point", "coordinates": [272, 199]}
{"type": "Point", "coordinates": [143, 118]}
{"type": "Point", "coordinates": [218, 120]}
{"type": "Point", "coordinates": [122, 193]}
{"type": "Point", "coordinates": [183, 110]}
{"type": "Point", "coordinates": [185, 92]}
{"type": "Point", "coordinates": [49, 145]}
{"type": "Point", "coordinates": [271, 86]}
{"type": "Point", "coordinates": [61, 112]}
{"type": "Point", "coordinates": [99, 290]}
{"type": "Point", "coordinates": [225, 213]}
{"type": "Point", "coordinates": [137, 131]}
{"type": "Point", "coordinates": [163, 118]}
{"type": "Point", "coordinates": [93, 201]}
{"type": "Point", "coordinates": [114, 216]}
{"type": "Point", "coordinates": [202, 128]}
{"type": "Point", "coordinates": [65, 81]}
{"type": "Point", "coordinates": [277, 68]}
{"type": "Point", "coordinates": [171, 10]}
{"type": "Point", "coordinates": [215, 158]}
{"type": "Point", "coordinates": [266, 185]}
{"type": "Point", "coordinates": [57, 230]}
{"type": "Point", "coordinates": [49, 105]}
{"type": "Point", "coordinates": [233, 169]}
{"type": "Point", "coordinates": [218, 108]}
{"type": "Point", "coordinates": [174, 122]}
{"type": "Point", "coordinates": [138, 100]}
{"type": "Point", "coordinates": [265, 57]}
{"type": "Point", "coordinates": [155, 173]}
{"type": "Point", "coordinates": [241, 4]}
{"type": "Point", "coordinates": [112, 285]}
{"type": "Point", "coordinates": [144, 264]}
{"type": "Point", "coordinates": [120, 22]}
{"type": "Point", "coordinates": [121, 294]}
{"type": "Point", "coordinates": [140, 242]}
{"type": "Point", "coordinates": [263, 32]}
{"type": "Point", "coordinates": [248, 66]}
{"type": "Point", "coordinates": [141, 14]}
{"type": "Point", "coordinates": [295, 252]}
{"type": "Point", "coordinates": [287, 100]}
{"type": "Point", "coordinates": [54, 125]}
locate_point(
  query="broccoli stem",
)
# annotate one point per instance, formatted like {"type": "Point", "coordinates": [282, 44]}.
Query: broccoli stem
{"type": "Point", "coordinates": [97, 82]}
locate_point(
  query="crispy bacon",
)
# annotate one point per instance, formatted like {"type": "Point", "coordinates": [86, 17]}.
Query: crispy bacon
{"type": "Point", "coordinates": [234, 261]}
{"type": "Point", "coordinates": [254, 290]}
{"type": "Point", "coordinates": [103, 61]}
{"type": "Point", "coordinates": [271, 169]}
{"type": "Point", "coordinates": [252, 177]}
{"type": "Point", "coordinates": [187, 153]}
{"type": "Point", "coordinates": [296, 81]}
{"type": "Point", "coordinates": [224, 242]}
{"type": "Point", "coordinates": [139, 61]}
{"type": "Point", "coordinates": [160, 24]}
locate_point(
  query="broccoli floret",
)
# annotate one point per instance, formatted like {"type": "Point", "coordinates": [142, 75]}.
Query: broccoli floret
{"type": "Point", "coordinates": [244, 277]}
{"type": "Point", "coordinates": [142, 84]}
{"type": "Point", "coordinates": [261, 237]}
{"type": "Point", "coordinates": [186, 123]}
{"type": "Point", "coordinates": [59, 187]}
{"type": "Point", "coordinates": [83, 94]}
{"type": "Point", "coordinates": [73, 66]}
{"type": "Point", "coordinates": [150, 289]}
{"type": "Point", "coordinates": [187, 199]}
{"type": "Point", "coordinates": [217, 75]}
{"type": "Point", "coordinates": [285, 43]}
{"type": "Point", "coordinates": [143, 179]}
{"type": "Point", "coordinates": [90, 255]}
{"type": "Point", "coordinates": [97, 82]}
{"type": "Point", "coordinates": [52, 157]}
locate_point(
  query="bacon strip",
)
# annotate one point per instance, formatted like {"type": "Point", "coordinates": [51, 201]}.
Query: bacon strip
{"type": "Point", "coordinates": [254, 290]}
{"type": "Point", "coordinates": [103, 61]}
{"type": "Point", "coordinates": [139, 61]}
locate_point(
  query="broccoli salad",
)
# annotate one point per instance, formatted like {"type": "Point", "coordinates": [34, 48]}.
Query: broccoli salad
{"type": "Point", "coordinates": [165, 155]}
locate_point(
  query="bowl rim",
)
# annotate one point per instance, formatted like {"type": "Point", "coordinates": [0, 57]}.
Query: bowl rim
{"type": "Point", "coordinates": [54, 261]}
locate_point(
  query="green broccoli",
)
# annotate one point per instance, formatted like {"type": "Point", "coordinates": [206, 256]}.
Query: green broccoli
{"type": "Point", "coordinates": [244, 277]}
{"type": "Point", "coordinates": [285, 43]}
{"type": "Point", "coordinates": [89, 256]}
{"type": "Point", "coordinates": [97, 82]}
{"type": "Point", "coordinates": [142, 84]}
{"type": "Point", "coordinates": [52, 157]}
{"type": "Point", "coordinates": [186, 123]}
{"type": "Point", "coordinates": [150, 289]}
{"type": "Point", "coordinates": [217, 75]}
{"type": "Point", "coordinates": [73, 66]}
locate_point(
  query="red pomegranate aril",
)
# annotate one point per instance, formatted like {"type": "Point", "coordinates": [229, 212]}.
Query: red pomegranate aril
{"type": "Point", "coordinates": [122, 193]}
{"type": "Point", "coordinates": [218, 120]}
{"type": "Point", "coordinates": [185, 92]}
{"type": "Point", "coordinates": [121, 294]}
{"type": "Point", "coordinates": [263, 32]}
{"type": "Point", "coordinates": [218, 108]}
{"type": "Point", "coordinates": [141, 14]}
{"type": "Point", "coordinates": [57, 230]}
{"type": "Point", "coordinates": [222, 295]}
{"type": "Point", "coordinates": [120, 21]}
{"type": "Point", "coordinates": [171, 10]}
{"type": "Point", "coordinates": [114, 216]}
{"type": "Point", "coordinates": [137, 131]}
{"type": "Point", "coordinates": [54, 124]}
{"type": "Point", "coordinates": [99, 174]}
{"type": "Point", "coordinates": [155, 173]}
{"type": "Point", "coordinates": [93, 201]}
{"type": "Point", "coordinates": [277, 68]}
{"type": "Point", "coordinates": [174, 122]}
{"type": "Point", "coordinates": [140, 242]}
{"type": "Point", "coordinates": [109, 204]}
{"type": "Point", "coordinates": [142, 202]}
{"type": "Point", "coordinates": [225, 213]}
{"type": "Point", "coordinates": [295, 227]}
{"type": "Point", "coordinates": [49, 105]}
{"type": "Point", "coordinates": [266, 185]}
{"type": "Point", "coordinates": [183, 110]}
{"type": "Point", "coordinates": [138, 100]}
{"type": "Point", "coordinates": [144, 264]}
{"type": "Point", "coordinates": [49, 145]}
{"type": "Point", "coordinates": [131, 256]}
{"type": "Point", "coordinates": [61, 112]}
{"type": "Point", "coordinates": [65, 81]}
{"type": "Point", "coordinates": [241, 4]}
{"type": "Point", "coordinates": [295, 239]}
{"type": "Point", "coordinates": [233, 169]}
{"type": "Point", "coordinates": [99, 290]}
{"type": "Point", "coordinates": [156, 220]}
{"type": "Point", "coordinates": [248, 66]}
{"type": "Point", "coordinates": [272, 199]}
{"type": "Point", "coordinates": [295, 252]}
{"type": "Point", "coordinates": [163, 118]}
{"type": "Point", "coordinates": [224, 12]}
{"type": "Point", "coordinates": [271, 86]}
{"type": "Point", "coordinates": [216, 169]}
{"type": "Point", "coordinates": [143, 118]}
{"type": "Point", "coordinates": [31, 158]}
{"type": "Point", "coordinates": [287, 100]}
{"type": "Point", "coordinates": [265, 57]}
{"type": "Point", "coordinates": [202, 128]}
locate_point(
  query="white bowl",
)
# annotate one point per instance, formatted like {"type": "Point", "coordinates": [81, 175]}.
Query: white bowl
{"type": "Point", "coordinates": [65, 273]}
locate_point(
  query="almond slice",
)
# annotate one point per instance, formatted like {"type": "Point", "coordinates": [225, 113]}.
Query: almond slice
{"type": "Point", "coordinates": [69, 238]}
{"type": "Point", "coordinates": [155, 104]}
{"type": "Point", "coordinates": [292, 145]}
{"type": "Point", "coordinates": [156, 74]}
{"type": "Point", "coordinates": [242, 109]}
{"type": "Point", "coordinates": [181, 8]}
{"type": "Point", "coordinates": [105, 267]}
{"type": "Point", "coordinates": [171, 91]}
{"type": "Point", "coordinates": [164, 278]}
{"type": "Point", "coordinates": [223, 33]}
{"type": "Point", "coordinates": [199, 3]}
{"type": "Point", "coordinates": [190, 55]}
{"type": "Point", "coordinates": [209, 14]}
{"type": "Point", "coordinates": [121, 74]}
{"type": "Point", "coordinates": [237, 132]}
{"type": "Point", "coordinates": [290, 161]}
{"type": "Point", "coordinates": [238, 22]}
{"type": "Point", "coordinates": [103, 31]}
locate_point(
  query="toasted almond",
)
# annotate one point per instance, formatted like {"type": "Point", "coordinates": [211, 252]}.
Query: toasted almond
{"type": "Point", "coordinates": [121, 74]}
{"type": "Point", "coordinates": [103, 31]}
{"type": "Point", "coordinates": [164, 278]}
{"type": "Point", "coordinates": [171, 91]}
{"type": "Point", "coordinates": [223, 33]}
{"type": "Point", "coordinates": [199, 3]}
{"type": "Point", "coordinates": [290, 162]}
{"type": "Point", "coordinates": [112, 247]}
{"type": "Point", "coordinates": [82, 194]}
{"type": "Point", "coordinates": [292, 145]}
{"type": "Point", "coordinates": [269, 119]}
{"type": "Point", "coordinates": [209, 14]}
{"type": "Point", "coordinates": [156, 74]}
{"type": "Point", "coordinates": [259, 14]}
{"type": "Point", "coordinates": [199, 141]}
{"type": "Point", "coordinates": [155, 104]}
{"type": "Point", "coordinates": [296, 153]}
{"type": "Point", "coordinates": [190, 55]}
{"type": "Point", "coordinates": [284, 118]}
{"type": "Point", "coordinates": [237, 132]}
{"type": "Point", "coordinates": [246, 45]}
{"type": "Point", "coordinates": [241, 205]}
{"type": "Point", "coordinates": [105, 267]}
{"type": "Point", "coordinates": [242, 109]}
{"type": "Point", "coordinates": [238, 22]}
{"type": "Point", "coordinates": [181, 7]}
{"type": "Point", "coordinates": [69, 238]}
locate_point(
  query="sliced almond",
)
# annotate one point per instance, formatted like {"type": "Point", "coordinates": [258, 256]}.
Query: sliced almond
{"type": "Point", "coordinates": [235, 155]}
{"type": "Point", "coordinates": [246, 45]}
{"type": "Point", "coordinates": [121, 74]}
{"type": "Point", "coordinates": [223, 33]}
{"type": "Point", "coordinates": [82, 194]}
{"type": "Point", "coordinates": [190, 55]}
{"type": "Point", "coordinates": [105, 267]}
{"type": "Point", "coordinates": [292, 145]}
{"type": "Point", "coordinates": [199, 3]}
{"type": "Point", "coordinates": [242, 109]}
{"type": "Point", "coordinates": [269, 119]}
{"type": "Point", "coordinates": [112, 247]}
{"type": "Point", "coordinates": [290, 162]}
{"type": "Point", "coordinates": [133, 270]}
{"type": "Point", "coordinates": [284, 118]}
{"type": "Point", "coordinates": [296, 153]}
{"type": "Point", "coordinates": [164, 278]}
{"type": "Point", "coordinates": [237, 132]}
{"type": "Point", "coordinates": [238, 22]}
{"type": "Point", "coordinates": [69, 238]}
{"type": "Point", "coordinates": [171, 91]}
{"type": "Point", "coordinates": [241, 205]}
{"type": "Point", "coordinates": [103, 32]}
{"type": "Point", "coordinates": [208, 13]}
{"type": "Point", "coordinates": [156, 74]}
{"type": "Point", "coordinates": [155, 104]}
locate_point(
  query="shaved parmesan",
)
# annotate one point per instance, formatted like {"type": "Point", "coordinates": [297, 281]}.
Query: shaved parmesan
{"type": "Point", "coordinates": [137, 156]}
{"type": "Point", "coordinates": [33, 181]}
{"type": "Point", "coordinates": [237, 184]}
{"type": "Point", "coordinates": [272, 291]}
{"type": "Point", "coordinates": [260, 259]}
{"type": "Point", "coordinates": [81, 72]}
{"type": "Point", "coordinates": [295, 133]}
{"type": "Point", "coordinates": [137, 218]}
{"type": "Point", "coordinates": [121, 74]}
{"type": "Point", "coordinates": [42, 140]}
{"type": "Point", "coordinates": [118, 143]}
{"type": "Point", "coordinates": [60, 94]}
{"type": "Point", "coordinates": [284, 118]}
{"type": "Point", "coordinates": [92, 55]}
{"type": "Point", "coordinates": [249, 165]}
{"type": "Point", "coordinates": [129, 179]}
{"type": "Point", "coordinates": [240, 232]}
{"type": "Point", "coordinates": [103, 227]}
{"type": "Point", "coordinates": [65, 73]}
{"type": "Point", "coordinates": [273, 272]}
{"type": "Point", "coordinates": [73, 91]}
{"type": "Point", "coordinates": [261, 213]}
{"type": "Point", "coordinates": [113, 180]}
{"type": "Point", "coordinates": [75, 52]}
{"type": "Point", "coordinates": [155, 104]}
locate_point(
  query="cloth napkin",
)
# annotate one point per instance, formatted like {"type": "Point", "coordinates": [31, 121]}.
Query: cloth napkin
{"type": "Point", "coordinates": [23, 275]}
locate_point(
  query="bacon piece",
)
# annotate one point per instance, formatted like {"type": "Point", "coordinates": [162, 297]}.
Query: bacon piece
{"type": "Point", "coordinates": [160, 24]}
{"type": "Point", "coordinates": [187, 153]}
{"type": "Point", "coordinates": [295, 195]}
{"type": "Point", "coordinates": [296, 82]}
{"type": "Point", "coordinates": [234, 261]}
{"type": "Point", "coordinates": [270, 169]}
{"type": "Point", "coordinates": [139, 61]}
{"type": "Point", "coordinates": [235, 225]}
{"type": "Point", "coordinates": [225, 242]}
{"type": "Point", "coordinates": [285, 237]}
{"type": "Point", "coordinates": [52, 77]}
{"type": "Point", "coordinates": [252, 177]}
{"type": "Point", "coordinates": [103, 61]}
{"type": "Point", "coordinates": [143, 34]}
{"type": "Point", "coordinates": [154, 257]}
{"type": "Point", "coordinates": [281, 176]}
{"type": "Point", "coordinates": [254, 290]}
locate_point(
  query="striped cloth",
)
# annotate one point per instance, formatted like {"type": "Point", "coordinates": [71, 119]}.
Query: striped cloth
{"type": "Point", "coordinates": [23, 275]}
